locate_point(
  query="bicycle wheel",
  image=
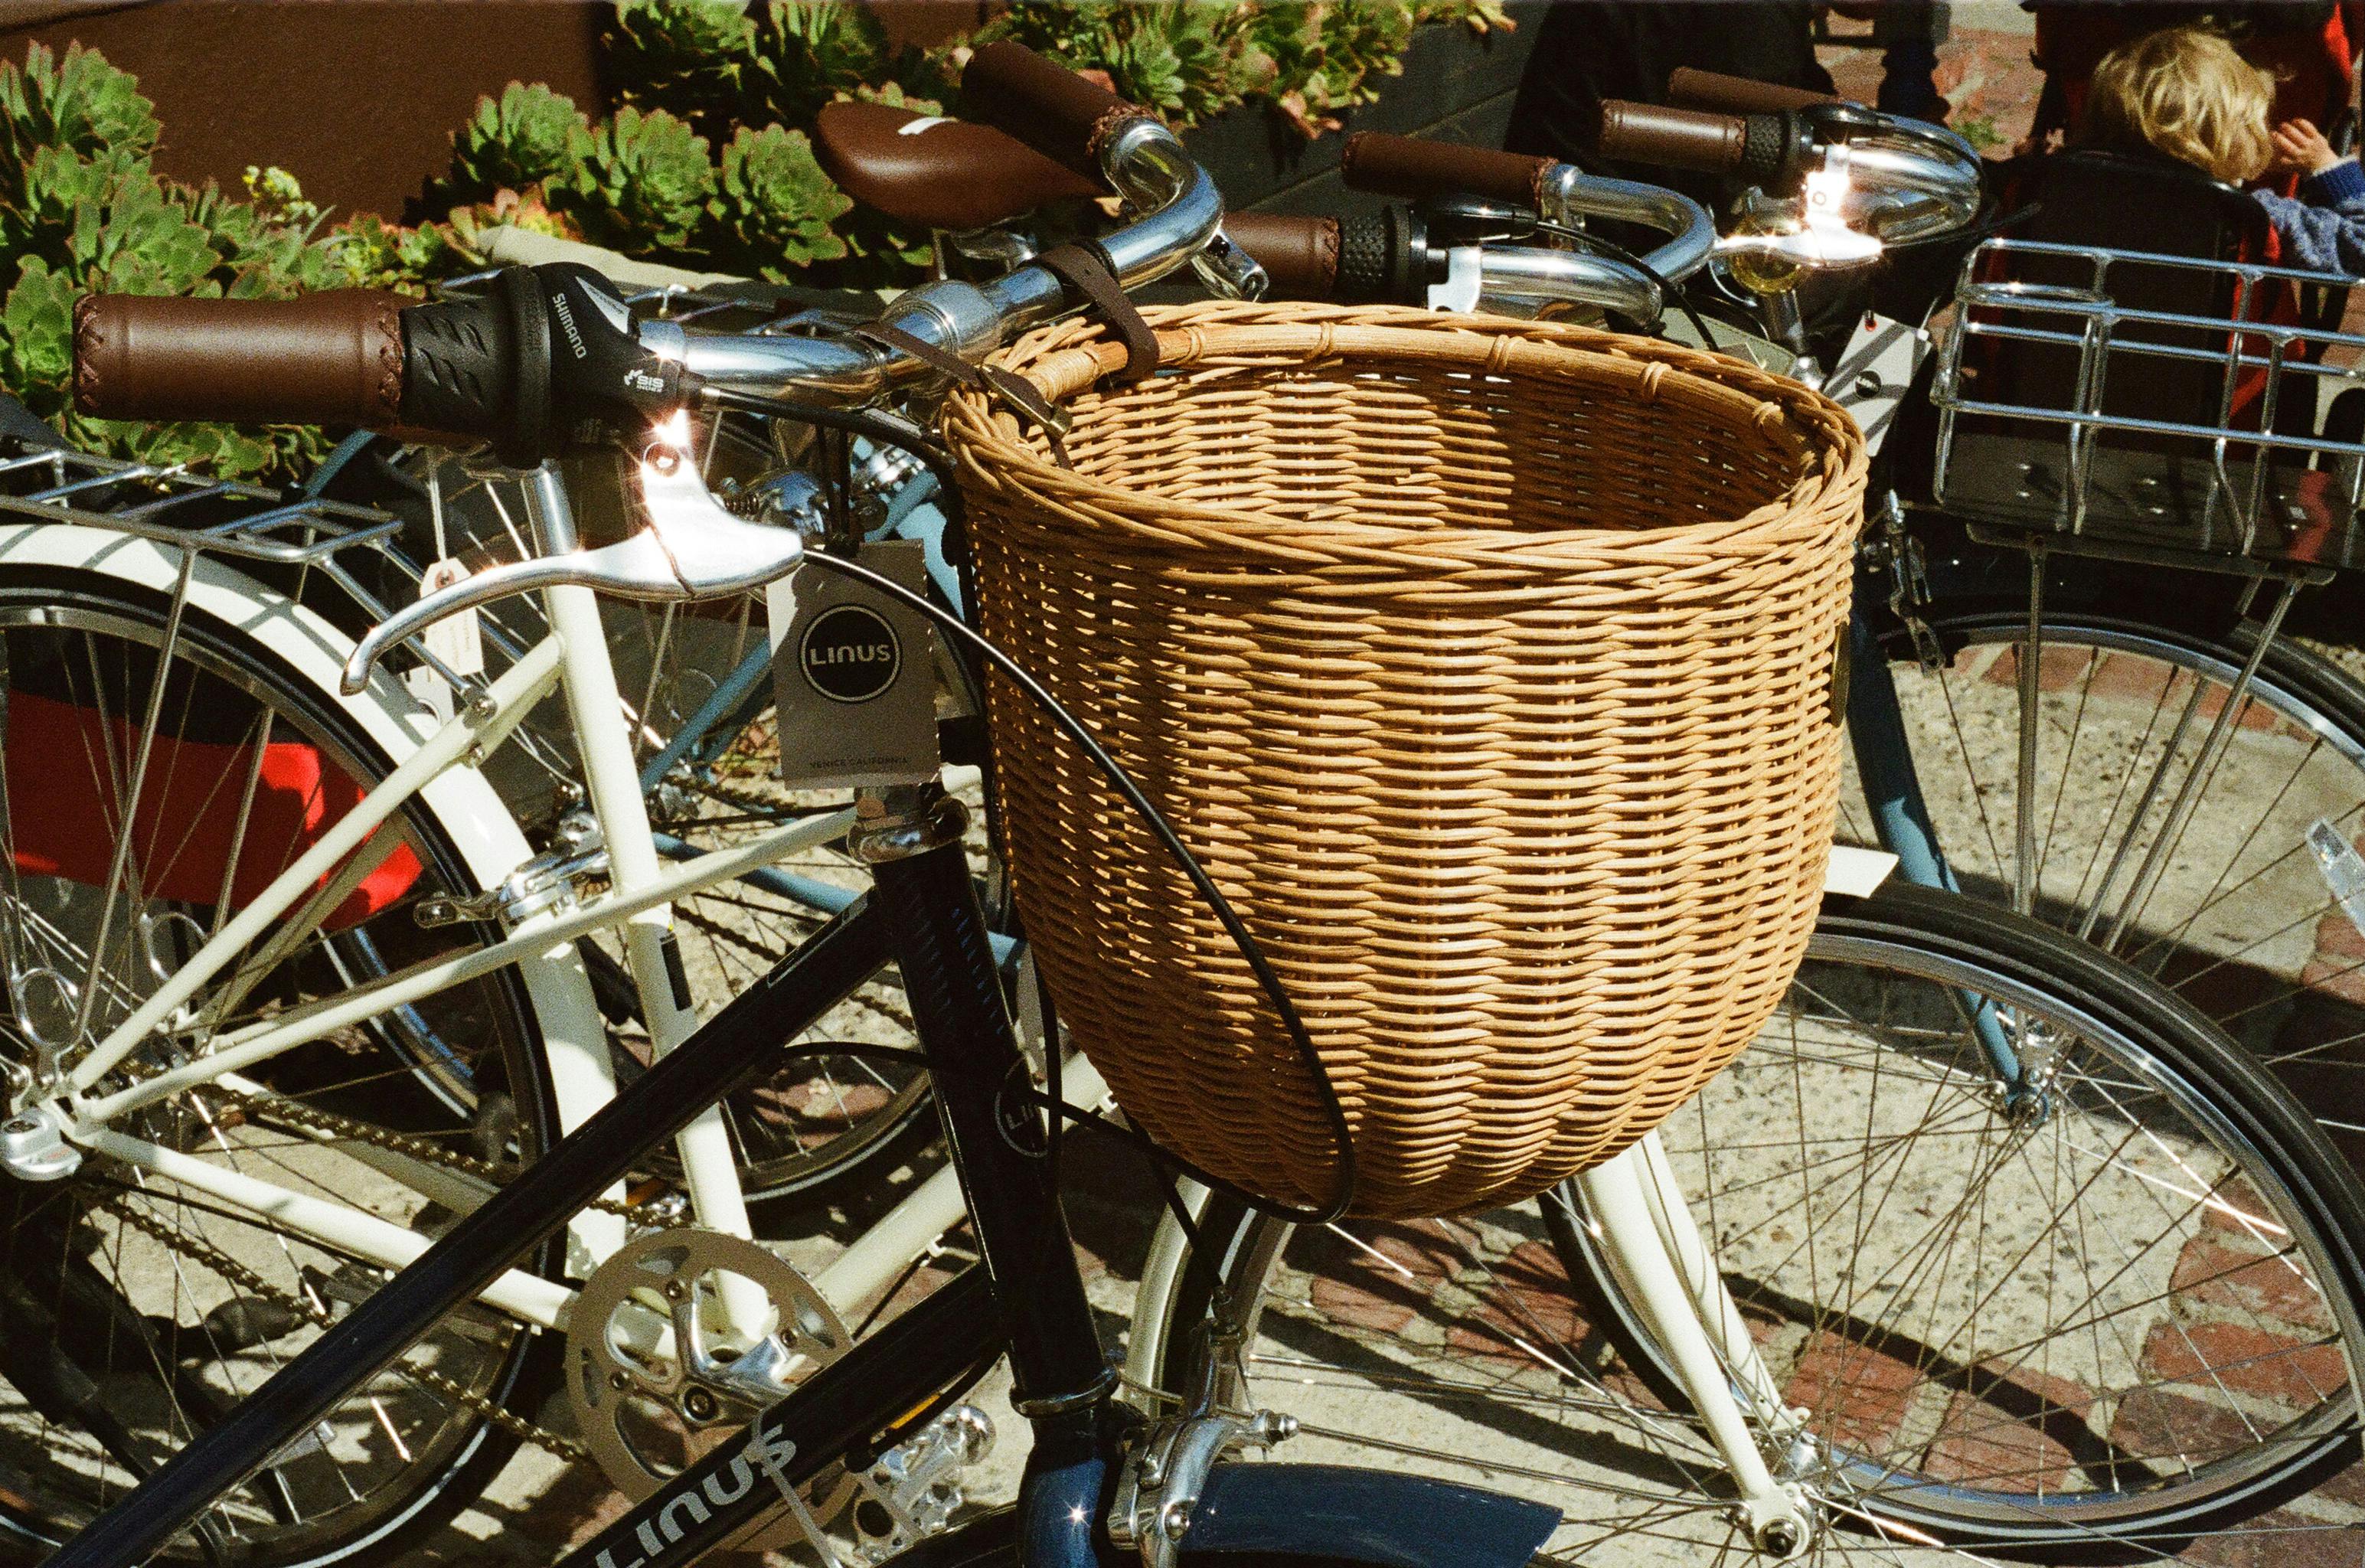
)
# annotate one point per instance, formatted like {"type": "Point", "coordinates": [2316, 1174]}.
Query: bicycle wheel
{"type": "Point", "coordinates": [699, 676]}
{"type": "Point", "coordinates": [139, 1302]}
{"type": "Point", "coordinates": [2239, 915]}
{"type": "Point", "coordinates": [2096, 1326]}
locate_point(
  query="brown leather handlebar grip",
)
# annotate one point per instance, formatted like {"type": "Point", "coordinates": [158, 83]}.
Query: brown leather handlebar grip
{"type": "Point", "coordinates": [1408, 167]}
{"type": "Point", "coordinates": [1042, 102]}
{"type": "Point", "coordinates": [1674, 139]}
{"type": "Point", "coordinates": [1299, 254]}
{"type": "Point", "coordinates": [330, 358]}
{"type": "Point", "coordinates": [1691, 89]}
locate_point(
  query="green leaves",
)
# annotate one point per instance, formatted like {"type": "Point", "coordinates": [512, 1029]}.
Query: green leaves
{"type": "Point", "coordinates": [806, 54]}
{"type": "Point", "coordinates": [1184, 59]}
{"type": "Point", "coordinates": [776, 205]}
{"type": "Point", "coordinates": [648, 182]}
{"type": "Point", "coordinates": [531, 135]}
{"type": "Point", "coordinates": [37, 332]}
{"type": "Point", "coordinates": [741, 76]}
{"type": "Point", "coordinates": [1195, 58]}
{"type": "Point", "coordinates": [82, 103]}
{"type": "Point", "coordinates": [670, 48]}
{"type": "Point", "coordinates": [81, 208]}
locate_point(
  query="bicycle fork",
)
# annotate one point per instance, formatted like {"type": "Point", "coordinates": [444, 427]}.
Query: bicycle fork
{"type": "Point", "coordinates": [1663, 1263]}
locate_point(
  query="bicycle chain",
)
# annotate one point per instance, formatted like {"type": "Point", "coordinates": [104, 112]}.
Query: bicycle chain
{"type": "Point", "coordinates": [245, 1279]}
{"type": "Point", "coordinates": [420, 1149]}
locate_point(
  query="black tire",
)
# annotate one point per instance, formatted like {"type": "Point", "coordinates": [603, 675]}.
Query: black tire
{"type": "Point", "coordinates": [2298, 1011]}
{"type": "Point", "coordinates": [1949, 935]}
{"type": "Point", "coordinates": [2177, 1032]}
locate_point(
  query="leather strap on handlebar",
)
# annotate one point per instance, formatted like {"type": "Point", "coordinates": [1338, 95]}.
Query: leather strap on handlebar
{"type": "Point", "coordinates": [1084, 268]}
{"type": "Point", "coordinates": [1015, 390]}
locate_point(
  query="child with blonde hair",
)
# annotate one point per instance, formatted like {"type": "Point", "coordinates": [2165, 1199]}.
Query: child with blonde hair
{"type": "Point", "coordinates": [2186, 93]}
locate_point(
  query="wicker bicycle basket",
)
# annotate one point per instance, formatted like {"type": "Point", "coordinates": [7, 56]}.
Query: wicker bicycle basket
{"type": "Point", "coordinates": [1488, 665]}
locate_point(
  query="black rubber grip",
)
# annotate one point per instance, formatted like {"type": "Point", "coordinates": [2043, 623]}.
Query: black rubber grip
{"type": "Point", "coordinates": [1366, 261]}
{"type": "Point", "coordinates": [1042, 102]}
{"type": "Point", "coordinates": [1768, 143]}
{"type": "Point", "coordinates": [481, 364]}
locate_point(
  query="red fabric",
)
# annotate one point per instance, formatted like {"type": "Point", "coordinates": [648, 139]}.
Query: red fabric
{"type": "Point", "coordinates": [63, 810]}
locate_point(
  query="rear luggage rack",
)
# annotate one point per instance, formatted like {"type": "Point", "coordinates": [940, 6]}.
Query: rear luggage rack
{"type": "Point", "coordinates": [174, 506]}
{"type": "Point", "coordinates": [2122, 403]}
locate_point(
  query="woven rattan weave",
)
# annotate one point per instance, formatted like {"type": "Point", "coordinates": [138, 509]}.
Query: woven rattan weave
{"type": "Point", "coordinates": [1487, 664]}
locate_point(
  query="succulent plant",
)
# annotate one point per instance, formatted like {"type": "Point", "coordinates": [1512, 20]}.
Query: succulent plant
{"type": "Point", "coordinates": [776, 206]}
{"type": "Point", "coordinates": [1325, 54]}
{"type": "Point", "coordinates": [1183, 59]}
{"type": "Point", "coordinates": [695, 57]}
{"type": "Point", "coordinates": [647, 185]}
{"type": "Point", "coordinates": [80, 104]}
{"type": "Point", "coordinates": [374, 253]}
{"type": "Point", "coordinates": [807, 52]}
{"type": "Point", "coordinates": [83, 209]}
{"type": "Point", "coordinates": [528, 136]}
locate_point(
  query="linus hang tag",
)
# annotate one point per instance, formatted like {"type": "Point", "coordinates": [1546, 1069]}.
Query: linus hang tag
{"type": "Point", "coordinates": [854, 674]}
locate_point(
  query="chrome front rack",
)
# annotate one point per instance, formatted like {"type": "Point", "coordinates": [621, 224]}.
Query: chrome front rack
{"type": "Point", "coordinates": [2084, 400]}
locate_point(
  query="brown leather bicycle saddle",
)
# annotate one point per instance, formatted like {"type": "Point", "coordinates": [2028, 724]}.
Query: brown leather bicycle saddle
{"type": "Point", "coordinates": [941, 173]}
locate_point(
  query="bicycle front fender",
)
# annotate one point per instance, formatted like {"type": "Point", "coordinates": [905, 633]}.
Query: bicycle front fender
{"type": "Point", "coordinates": [1342, 1514]}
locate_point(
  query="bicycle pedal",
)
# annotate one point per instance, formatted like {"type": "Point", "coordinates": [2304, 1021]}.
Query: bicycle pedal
{"type": "Point", "coordinates": [912, 1490]}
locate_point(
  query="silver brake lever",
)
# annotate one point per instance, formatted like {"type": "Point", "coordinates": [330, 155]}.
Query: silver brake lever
{"type": "Point", "coordinates": [689, 549]}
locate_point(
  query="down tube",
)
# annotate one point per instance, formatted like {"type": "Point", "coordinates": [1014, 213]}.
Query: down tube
{"type": "Point", "coordinates": [1900, 816]}
{"type": "Point", "coordinates": [803, 987]}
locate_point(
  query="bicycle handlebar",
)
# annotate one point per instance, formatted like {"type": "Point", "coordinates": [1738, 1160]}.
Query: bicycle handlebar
{"type": "Point", "coordinates": [1902, 180]}
{"type": "Point", "coordinates": [1695, 89]}
{"type": "Point", "coordinates": [1067, 117]}
{"type": "Point", "coordinates": [1559, 192]}
{"type": "Point", "coordinates": [552, 357]}
{"type": "Point", "coordinates": [1416, 170]}
{"type": "Point", "coordinates": [1393, 258]}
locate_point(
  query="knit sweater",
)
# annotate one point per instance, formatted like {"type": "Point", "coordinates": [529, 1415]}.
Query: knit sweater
{"type": "Point", "coordinates": [2324, 228]}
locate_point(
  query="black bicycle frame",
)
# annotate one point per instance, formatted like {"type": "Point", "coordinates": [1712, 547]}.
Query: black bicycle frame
{"type": "Point", "coordinates": [922, 913]}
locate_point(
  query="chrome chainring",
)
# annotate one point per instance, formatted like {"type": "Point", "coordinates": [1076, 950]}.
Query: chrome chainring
{"type": "Point", "coordinates": [654, 1388]}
